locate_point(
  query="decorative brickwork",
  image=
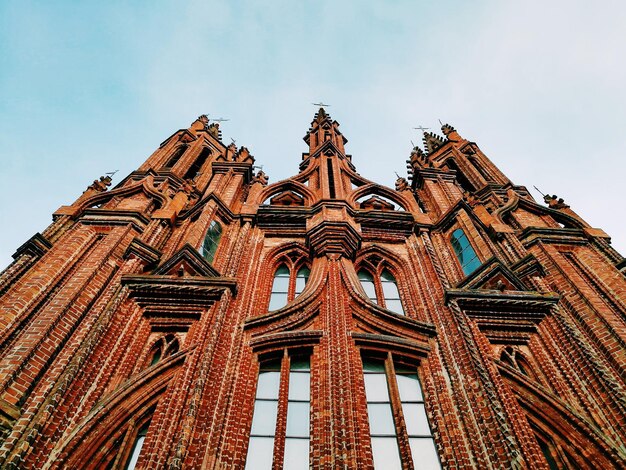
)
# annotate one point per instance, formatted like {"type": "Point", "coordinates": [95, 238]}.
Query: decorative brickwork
{"type": "Point", "coordinates": [120, 342]}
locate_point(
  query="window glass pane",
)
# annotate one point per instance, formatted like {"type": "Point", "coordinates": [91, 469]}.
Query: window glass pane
{"type": "Point", "coordinates": [278, 301]}
{"type": "Point", "coordinates": [268, 385]}
{"type": "Point", "coordinates": [424, 453]}
{"type": "Point", "coordinates": [273, 365]}
{"type": "Point", "coordinates": [409, 387]}
{"type": "Point", "coordinates": [471, 266]}
{"type": "Point", "coordinates": [132, 463]}
{"type": "Point", "coordinates": [299, 386]}
{"type": "Point", "coordinates": [301, 279]}
{"type": "Point", "coordinates": [281, 284]}
{"type": "Point", "coordinates": [264, 419]}
{"type": "Point", "coordinates": [370, 365]}
{"type": "Point", "coordinates": [297, 419]}
{"type": "Point", "coordinates": [376, 387]}
{"type": "Point", "coordinates": [459, 240]}
{"type": "Point", "coordinates": [211, 240]}
{"type": "Point", "coordinates": [370, 290]}
{"type": "Point", "coordinates": [386, 453]}
{"type": "Point", "coordinates": [381, 420]}
{"type": "Point", "coordinates": [298, 363]}
{"type": "Point", "coordinates": [394, 305]}
{"type": "Point", "coordinates": [260, 453]}
{"type": "Point", "coordinates": [415, 419]}
{"type": "Point", "coordinates": [390, 290]}
{"type": "Point", "coordinates": [296, 454]}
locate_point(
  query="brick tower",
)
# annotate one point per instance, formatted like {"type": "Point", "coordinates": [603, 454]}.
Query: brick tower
{"type": "Point", "coordinates": [195, 316]}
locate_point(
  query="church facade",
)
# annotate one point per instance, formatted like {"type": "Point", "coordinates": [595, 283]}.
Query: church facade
{"type": "Point", "coordinates": [196, 316]}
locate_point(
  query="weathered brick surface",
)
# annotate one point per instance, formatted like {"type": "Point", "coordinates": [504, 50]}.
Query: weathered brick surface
{"type": "Point", "coordinates": [78, 329]}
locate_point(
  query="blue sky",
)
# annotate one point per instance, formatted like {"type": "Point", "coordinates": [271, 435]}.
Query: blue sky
{"type": "Point", "coordinates": [91, 87]}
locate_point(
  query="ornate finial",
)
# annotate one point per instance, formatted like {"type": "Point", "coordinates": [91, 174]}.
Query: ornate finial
{"type": "Point", "coordinates": [204, 119]}
{"type": "Point", "coordinates": [243, 156]}
{"type": "Point", "coordinates": [432, 141]}
{"type": "Point", "coordinates": [447, 129]}
{"type": "Point", "coordinates": [401, 183]}
{"type": "Point", "coordinates": [260, 177]}
{"type": "Point", "coordinates": [214, 130]}
{"type": "Point", "coordinates": [418, 159]}
{"type": "Point", "coordinates": [101, 185]}
{"type": "Point", "coordinates": [554, 202]}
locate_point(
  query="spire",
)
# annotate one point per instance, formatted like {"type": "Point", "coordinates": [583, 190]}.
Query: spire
{"type": "Point", "coordinates": [324, 130]}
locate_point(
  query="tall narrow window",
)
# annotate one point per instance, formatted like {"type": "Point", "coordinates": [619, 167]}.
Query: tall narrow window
{"type": "Point", "coordinates": [301, 279]}
{"type": "Point", "coordinates": [464, 252]}
{"type": "Point", "coordinates": [381, 380]}
{"type": "Point", "coordinates": [194, 169]}
{"type": "Point", "coordinates": [390, 291]}
{"type": "Point", "coordinates": [137, 445]}
{"type": "Point", "coordinates": [297, 435]}
{"type": "Point", "coordinates": [382, 290]}
{"type": "Point", "coordinates": [267, 404]}
{"type": "Point", "coordinates": [367, 282]}
{"type": "Point", "coordinates": [175, 156]}
{"type": "Point", "coordinates": [287, 286]}
{"type": "Point", "coordinates": [211, 240]}
{"type": "Point", "coordinates": [280, 288]}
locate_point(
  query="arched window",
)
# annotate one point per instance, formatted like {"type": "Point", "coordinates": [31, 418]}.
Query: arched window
{"type": "Point", "coordinates": [516, 360]}
{"type": "Point", "coordinates": [137, 445]}
{"type": "Point", "coordinates": [163, 348]}
{"type": "Point", "coordinates": [211, 240]}
{"type": "Point", "coordinates": [156, 352]}
{"type": "Point", "coordinates": [382, 290]}
{"type": "Point", "coordinates": [175, 156]}
{"type": "Point", "coordinates": [301, 279]}
{"type": "Point", "coordinates": [396, 412]}
{"type": "Point", "coordinates": [287, 287]}
{"type": "Point", "coordinates": [464, 252]}
{"type": "Point", "coordinates": [263, 447]}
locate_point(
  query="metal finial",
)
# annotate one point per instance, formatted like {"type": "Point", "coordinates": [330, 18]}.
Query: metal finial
{"type": "Point", "coordinates": [320, 104]}
{"type": "Point", "coordinates": [422, 128]}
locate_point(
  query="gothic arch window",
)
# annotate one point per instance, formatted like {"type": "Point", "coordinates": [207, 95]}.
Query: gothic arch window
{"type": "Point", "coordinates": [163, 348]}
{"type": "Point", "coordinates": [516, 359]}
{"type": "Point", "coordinates": [287, 285]}
{"type": "Point", "coordinates": [381, 289]}
{"type": "Point", "coordinates": [396, 415]}
{"type": "Point", "coordinates": [283, 387]}
{"type": "Point", "coordinates": [125, 454]}
{"type": "Point", "coordinates": [194, 169]}
{"type": "Point", "coordinates": [175, 156]}
{"type": "Point", "coordinates": [468, 259]}
{"type": "Point", "coordinates": [211, 241]}
{"type": "Point", "coordinates": [135, 452]}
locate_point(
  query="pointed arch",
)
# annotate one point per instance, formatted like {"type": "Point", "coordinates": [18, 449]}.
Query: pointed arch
{"type": "Point", "coordinates": [146, 185]}
{"type": "Point", "coordinates": [563, 426]}
{"type": "Point", "coordinates": [286, 186]}
{"type": "Point", "coordinates": [109, 421]}
{"type": "Point", "coordinates": [384, 192]}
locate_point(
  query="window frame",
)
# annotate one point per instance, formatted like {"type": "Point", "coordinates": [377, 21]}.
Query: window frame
{"type": "Point", "coordinates": [283, 399]}
{"type": "Point", "coordinates": [215, 241]}
{"type": "Point", "coordinates": [391, 363]}
{"type": "Point", "coordinates": [293, 289]}
{"type": "Point", "coordinates": [377, 272]}
{"type": "Point", "coordinates": [457, 255]}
